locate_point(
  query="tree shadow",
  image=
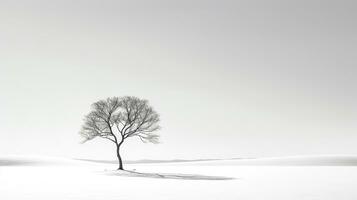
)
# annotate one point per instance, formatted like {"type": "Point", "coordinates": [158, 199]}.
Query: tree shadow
{"type": "Point", "coordinates": [127, 173]}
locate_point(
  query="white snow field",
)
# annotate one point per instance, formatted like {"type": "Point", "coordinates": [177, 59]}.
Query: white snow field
{"type": "Point", "coordinates": [47, 178]}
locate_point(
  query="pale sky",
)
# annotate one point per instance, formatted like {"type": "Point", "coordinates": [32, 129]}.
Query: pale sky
{"type": "Point", "coordinates": [229, 78]}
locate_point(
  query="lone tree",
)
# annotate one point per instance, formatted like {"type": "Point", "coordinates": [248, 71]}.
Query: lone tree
{"type": "Point", "coordinates": [118, 118]}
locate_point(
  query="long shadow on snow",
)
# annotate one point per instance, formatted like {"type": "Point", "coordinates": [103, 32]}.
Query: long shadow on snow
{"type": "Point", "coordinates": [127, 173]}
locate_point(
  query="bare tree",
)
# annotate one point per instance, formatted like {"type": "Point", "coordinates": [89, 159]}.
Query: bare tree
{"type": "Point", "coordinates": [118, 118]}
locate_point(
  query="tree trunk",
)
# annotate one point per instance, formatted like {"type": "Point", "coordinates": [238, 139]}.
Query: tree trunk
{"type": "Point", "coordinates": [119, 159]}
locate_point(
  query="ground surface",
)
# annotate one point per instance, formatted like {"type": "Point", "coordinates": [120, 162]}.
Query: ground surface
{"type": "Point", "coordinates": [319, 177]}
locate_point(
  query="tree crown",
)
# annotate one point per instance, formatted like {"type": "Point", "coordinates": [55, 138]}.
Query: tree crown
{"type": "Point", "coordinates": [118, 118]}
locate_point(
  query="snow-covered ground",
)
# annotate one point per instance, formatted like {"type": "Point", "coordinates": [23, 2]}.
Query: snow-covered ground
{"type": "Point", "coordinates": [314, 177]}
